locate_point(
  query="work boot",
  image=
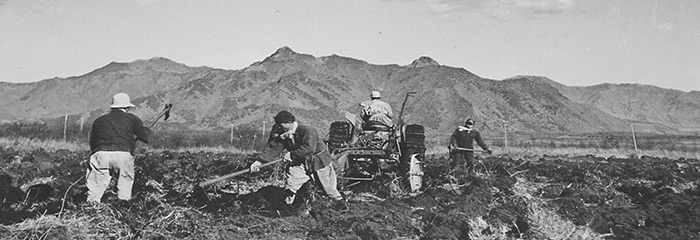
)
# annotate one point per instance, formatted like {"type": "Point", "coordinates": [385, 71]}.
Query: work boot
{"type": "Point", "coordinates": [340, 205]}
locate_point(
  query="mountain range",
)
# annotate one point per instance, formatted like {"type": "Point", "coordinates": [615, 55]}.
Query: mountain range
{"type": "Point", "coordinates": [319, 90]}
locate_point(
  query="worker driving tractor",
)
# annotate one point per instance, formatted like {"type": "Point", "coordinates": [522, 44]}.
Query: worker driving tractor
{"type": "Point", "coordinates": [376, 113]}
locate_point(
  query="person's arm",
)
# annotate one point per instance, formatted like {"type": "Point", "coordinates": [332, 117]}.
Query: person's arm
{"type": "Point", "coordinates": [453, 141]}
{"type": "Point", "coordinates": [142, 132]}
{"type": "Point", "coordinates": [273, 149]}
{"type": "Point", "coordinates": [275, 145]}
{"type": "Point", "coordinates": [96, 125]}
{"type": "Point", "coordinates": [307, 143]}
{"type": "Point", "coordinates": [390, 112]}
{"type": "Point", "coordinates": [481, 143]}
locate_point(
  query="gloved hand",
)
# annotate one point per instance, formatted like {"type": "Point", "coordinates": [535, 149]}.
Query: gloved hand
{"type": "Point", "coordinates": [489, 151]}
{"type": "Point", "coordinates": [287, 157]}
{"type": "Point", "coordinates": [449, 148]}
{"type": "Point", "coordinates": [255, 167]}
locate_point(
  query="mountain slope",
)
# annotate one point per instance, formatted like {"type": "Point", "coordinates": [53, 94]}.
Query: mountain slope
{"type": "Point", "coordinates": [319, 89]}
{"type": "Point", "coordinates": [650, 106]}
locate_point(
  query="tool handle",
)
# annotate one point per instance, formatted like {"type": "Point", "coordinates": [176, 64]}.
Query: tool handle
{"type": "Point", "coordinates": [227, 176]}
{"type": "Point", "coordinates": [468, 149]}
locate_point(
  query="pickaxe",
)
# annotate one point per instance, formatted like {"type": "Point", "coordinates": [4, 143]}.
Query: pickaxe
{"type": "Point", "coordinates": [165, 112]}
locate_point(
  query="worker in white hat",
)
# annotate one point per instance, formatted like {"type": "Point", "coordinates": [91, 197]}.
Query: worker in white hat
{"type": "Point", "coordinates": [112, 143]}
{"type": "Point", "coordinates": [376, 111]}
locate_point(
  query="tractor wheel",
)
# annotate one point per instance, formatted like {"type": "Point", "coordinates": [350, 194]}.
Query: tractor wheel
{"type": "Point", "coordinates": [413, 153]}
{"type": "Point", "coordinates": [339, 134]}
{"type": "Point", "coordinates": [414, 139]}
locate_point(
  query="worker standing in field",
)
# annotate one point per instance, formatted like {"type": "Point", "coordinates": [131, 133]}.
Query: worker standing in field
{"type": "Point", "coordinates": [377, 111]}
{"type": "Point", "coordinates": [309, 158]}
{"type": "Point", "coordinates": [462, 149]}
{"type": "Point", "coordinates": [112, 143]}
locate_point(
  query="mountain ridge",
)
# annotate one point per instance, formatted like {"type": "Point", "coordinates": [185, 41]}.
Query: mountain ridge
{"type": "Point", "coordinates": [319, 89]}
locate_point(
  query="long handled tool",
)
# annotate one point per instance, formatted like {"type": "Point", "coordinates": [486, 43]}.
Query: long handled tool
{"type": "Point", "coordinates": [468, 149]}
{"type": "Point", "coordinates": [227, 176]}
{"type": "Point", "coordinates": [165, 112]}
{"type": "Point", "coordinates": [202, 197]}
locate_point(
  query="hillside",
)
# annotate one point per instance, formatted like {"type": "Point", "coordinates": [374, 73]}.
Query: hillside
{"type": "Point", "coordinates": [319, 89]}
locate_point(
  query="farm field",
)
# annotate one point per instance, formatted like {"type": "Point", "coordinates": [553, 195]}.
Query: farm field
{"type": "Point", "coordinates": [512, 196]}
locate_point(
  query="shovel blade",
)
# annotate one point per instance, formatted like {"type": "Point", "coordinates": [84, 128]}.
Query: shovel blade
{"type": "Point", "coordinates": [199, 196]}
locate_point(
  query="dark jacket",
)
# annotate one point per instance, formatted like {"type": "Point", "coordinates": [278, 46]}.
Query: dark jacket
{"type": "Point", "coordinates": [465, 139]}
{"type": "Point", "coordinates": [306, 148]}
{"type": "Point", "coordinates": [117, 131]}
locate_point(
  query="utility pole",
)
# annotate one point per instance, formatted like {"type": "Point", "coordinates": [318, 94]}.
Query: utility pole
{"type": "Point", "coordinates": [505, 133]}
{"type": "Point", "coordinates": [231, 139]}
{"type": "Point", "coordinates": [634, 139]}
{"type": "Point", "coordinates": [65, 127]}
{"type": "Point", "coordinates": [263, 130]}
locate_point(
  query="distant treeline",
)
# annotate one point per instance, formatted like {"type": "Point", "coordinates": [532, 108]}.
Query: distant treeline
{"type": "Point", "coordinates": [643, 141]}
{"type": "Point", "coordinates": [607, 141]}
{"type": "Point", "coordinates": [251, 139]}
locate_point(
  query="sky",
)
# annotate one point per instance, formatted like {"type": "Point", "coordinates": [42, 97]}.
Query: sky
{"type": "Point", "coordinates": [573, 42]}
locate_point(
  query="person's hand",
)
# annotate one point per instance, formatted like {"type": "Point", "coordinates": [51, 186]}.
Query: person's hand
{"type": "Point", "coordinates": [255, 167]}
{"type": "Point", "coordinates": [489, 151]}
{"type": "Point", "coordinates": [449, 148]}
{"type": "Point", "coordinates": [285, 135]}
{"type": "Point", "coordinates": [287, 156]}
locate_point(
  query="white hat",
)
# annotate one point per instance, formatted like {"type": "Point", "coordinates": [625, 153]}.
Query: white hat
{"type": "Point", "coordinates": [375, 94]}
{"type": "Point", "coordinates": [121, 100]}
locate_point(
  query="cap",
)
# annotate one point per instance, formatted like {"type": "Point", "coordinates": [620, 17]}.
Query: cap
{"type": "Point", "coordinates": [469, 122]}
{"type": "Point", "coordinates": [375, 94]}
{"type": "Point", "coordinates": [284, 117]}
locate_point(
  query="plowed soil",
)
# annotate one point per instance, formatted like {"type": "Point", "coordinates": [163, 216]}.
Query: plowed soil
{"type": "Point", "coordinates": [631, 198]}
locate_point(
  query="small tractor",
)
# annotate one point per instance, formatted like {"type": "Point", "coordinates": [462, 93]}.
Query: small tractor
{"type": "Point", "coordinates": [363, 151]}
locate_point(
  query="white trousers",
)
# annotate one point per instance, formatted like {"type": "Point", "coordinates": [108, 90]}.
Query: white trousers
{"type": "Point", "coordinates": [296, 177]}
{"type": "Point", "coordinates": [99, 177]}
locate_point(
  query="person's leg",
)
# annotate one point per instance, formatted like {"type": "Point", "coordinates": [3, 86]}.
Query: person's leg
{"type": "Point", "coordinates": [327, 178]}
{"type": "Point", "coordinates": [469, 162]}
{"type": "Point", "coordinates": [98, 177]}
{"type": "Point", "coordinates": [296, 177]}
{"type": "Point", "coordinates": [457, 163]}
{"type": "Point", "coordinates": [124, 163]}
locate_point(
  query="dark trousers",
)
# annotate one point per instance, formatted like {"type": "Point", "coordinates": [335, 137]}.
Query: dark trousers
{"type": "Point", "coordinates": [462, 161]}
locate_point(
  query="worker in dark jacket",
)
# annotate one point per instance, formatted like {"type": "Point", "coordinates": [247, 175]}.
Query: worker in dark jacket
{"type": "Point", "coordinates": [463, 138]}
{"type": "Point", "coordinates": [309, 158]}
{"type": "Point", "coordinates": [112, 142]}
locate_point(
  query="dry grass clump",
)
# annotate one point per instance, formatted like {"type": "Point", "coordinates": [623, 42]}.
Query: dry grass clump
{"type": "Point", "coordinates": [27, 144]}
{"type": "Point", "coordinates": [106, 222]}
{"type": "Point", "coordinates": [478, 225]}
{"type": "Point", "coordinates": [545, 223]}
{"type": "Point", "coordinates": [75, 225]}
